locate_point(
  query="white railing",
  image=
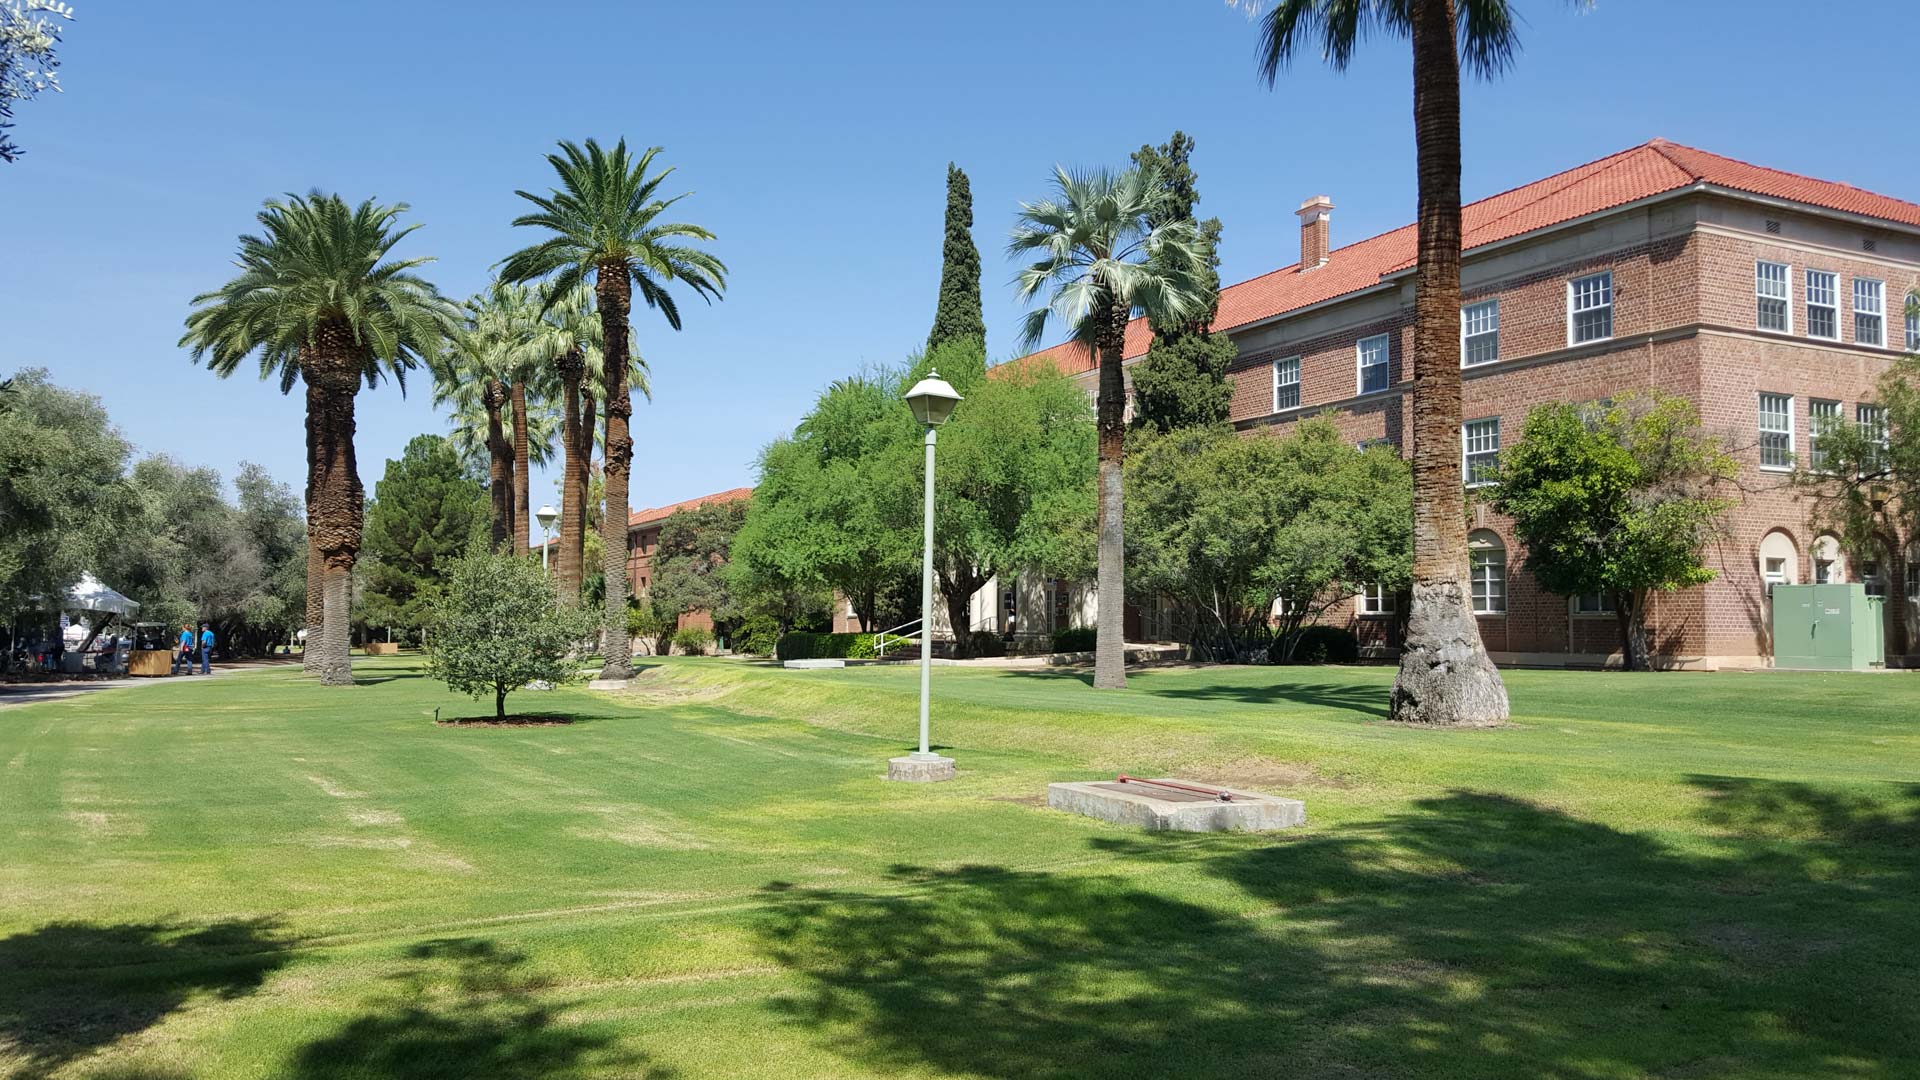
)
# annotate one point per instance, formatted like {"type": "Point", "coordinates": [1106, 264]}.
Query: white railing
{"type": "Point", "coordinates": [880, 641]}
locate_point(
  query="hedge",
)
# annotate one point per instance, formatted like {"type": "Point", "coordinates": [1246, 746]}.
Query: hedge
{"type": "Point", "coordinates": [1075, 639]}
{"type": "Point", "coordinates": [801, 645]}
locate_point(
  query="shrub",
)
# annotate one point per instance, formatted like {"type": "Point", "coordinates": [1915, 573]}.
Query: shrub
{"type": "Point", "coordinates": [498, 628]}
{"type": "Point", "coordinates": [757, 636]}
{"type": "Point", "coordinates": [648, 629]}
{"type": "Point", "coordinates": [693, 640]}
{"type": "Point", "coordinates": [988, 643]}
{"type": "Point", "coordinates": [801, 645]}
{"type": "Point", "coordinates": [1075, 639]}
{"type": "Point", "coordinates": [1321, 645]}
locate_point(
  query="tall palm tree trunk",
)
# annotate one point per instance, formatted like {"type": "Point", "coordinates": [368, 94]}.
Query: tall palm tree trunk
{"type": "Point", "coordinates": [339, 500]}
{"type": "Point", "coordinates": [499, 465]}
{"type": "Point", "coordinates": [1445, 674]}
{"type": "Point", "coordinates": [583, 480]}
{"type": "Point", "coordinates": [1110, 647]}
{"type": "Point", "coordinates": [522, 468]}
{"type": "Point", "coordinates": [573, 512]}
{"type": "Point", "coordinates": [309, 653]}
{"type": "Point", "coordinates": [615, 292]}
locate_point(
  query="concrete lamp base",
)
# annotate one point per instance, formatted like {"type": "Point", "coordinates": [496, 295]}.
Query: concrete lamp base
{"type": "Point", "coordinates": [922, 770]}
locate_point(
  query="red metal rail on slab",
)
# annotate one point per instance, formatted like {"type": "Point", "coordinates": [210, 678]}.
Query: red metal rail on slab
{"type": "Point", "coordinates": [1223, 796]}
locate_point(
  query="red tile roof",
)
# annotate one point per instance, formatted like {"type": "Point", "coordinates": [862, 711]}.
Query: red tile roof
{"type": "Point", "coordinates": [1652, 168]}
{"type": "Point", "coordinates": [661, 513]}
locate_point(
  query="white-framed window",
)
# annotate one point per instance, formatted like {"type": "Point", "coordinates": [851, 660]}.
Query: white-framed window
{"type": "Point", "coordinates": [1828, 565]}
{"type": "Point", "coordinates": [1776, 431]}
{"type": "Point", "coordinates": [1365, 445]}
{"type": "Point", "coordinates": [1913, 331]}
{"type": "Point", "coordinates": [1480, 333]}
{"type": "Point", "coordinates": [1913, 580]}
{"type": "Point", "coordinates": [1823, 304]}
{"type": "Point", "coordinates": [1822, 416]}
{"type": "Point", "coordinates": [1869, 312]}
{"type": "Point", "coordinates": [1872, 421]}
{"type": "Point", "coordinates": [1286, 384]}
{"type": "Point", "coordinates": [1480, 451]}
{"type": "Point", "coordinates": [1779, 560]}
{"type": "Point", "coordinates": [1375, 600]}
{"type": "Point", "coordinates": [1773, 296]}
{"type": "Point", "coordinates": [1871, 577]}
{"type": "Point", "coordinates": [1590, 308]}
{"type": "Point", "coordinates": [1487, 562]}
{"type": "Point", "coordinates": [1370, 356]}
{"type": "Point", "coordinates": [1592, 604]}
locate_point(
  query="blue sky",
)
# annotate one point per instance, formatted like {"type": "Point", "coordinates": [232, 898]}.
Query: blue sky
{"type": "Point", "coordinates": [815, 138]}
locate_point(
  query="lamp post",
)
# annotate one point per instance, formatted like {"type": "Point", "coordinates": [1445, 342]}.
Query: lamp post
{"type": "Point", "coordinates": [932, 401]}
{"type": "Point", "coordinates": [546, 516]}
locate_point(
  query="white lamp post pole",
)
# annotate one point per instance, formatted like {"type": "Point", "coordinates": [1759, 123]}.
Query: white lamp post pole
{"type": "Point", "coordinates": [932, 401]}
{"type": "Point", "coordinates": [545, 515]}
{"type": "Point", "coordinates": [926, 602]}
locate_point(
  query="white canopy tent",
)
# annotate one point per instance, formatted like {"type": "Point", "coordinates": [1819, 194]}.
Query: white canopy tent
{"type": "Point", "coordinates": [90, 595]}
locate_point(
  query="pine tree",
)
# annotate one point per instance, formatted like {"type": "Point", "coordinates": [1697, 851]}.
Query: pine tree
{"type": "Point", "coordinates": [959, 314]}
{"type": "Point", "coordinates": [1182, 381]}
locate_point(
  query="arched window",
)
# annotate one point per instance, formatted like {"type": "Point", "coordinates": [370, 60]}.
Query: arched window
{"type": "Point", "coordinates": [1829, 565]}
{"type": "Point", "coordinates": [1488, 559]}
{"type": "Point", "coordinates": [1779, 560]}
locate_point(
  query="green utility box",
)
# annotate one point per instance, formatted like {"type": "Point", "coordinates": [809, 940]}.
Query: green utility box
{"type": "Point", "coordinates": [1828, 628]}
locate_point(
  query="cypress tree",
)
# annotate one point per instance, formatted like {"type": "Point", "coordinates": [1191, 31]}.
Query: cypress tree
{"type": "Point", "coordinates": [959, 315]}
{"type": "Point", "coordinates": [1182, 381]}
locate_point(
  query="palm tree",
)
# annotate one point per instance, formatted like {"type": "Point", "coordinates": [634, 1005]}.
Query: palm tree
{"type": "Point", "coordinates": [566, 346]}
{"type": "Point", "coordinates": [1101, 258]}
{"type": "Point", "coordinates": [484, 380]}
{"type": "Point", "coordinates": [318, 299]}
{"type": "Point", "coordinates": [1445, 674]}
{"type": "Point", "coordinates": [605, 220]}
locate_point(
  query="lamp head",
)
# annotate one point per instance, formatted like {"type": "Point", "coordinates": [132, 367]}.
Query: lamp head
{"type": "Point", "coordinates": [546, 515]}
{"type": "Point", "coordinates": [932, 400]}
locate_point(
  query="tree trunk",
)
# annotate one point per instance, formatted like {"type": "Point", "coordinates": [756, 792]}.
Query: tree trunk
{"type": "Point", "coordinates": [1110, 648]}
{"type": "Point", "coordinates": [1631, 612]}
{"type": "Point", "coordinates": [339, 500]}
{"type": "Point", "coordinates": [522, 472]}
{"type": "Point", "coordinates": [315, 565]}
{"type": "Point", "coordinates": [573, 511]}
{"type": "Point", "coordinates": [499, 464]}
{"type": "Point", "coordinates": [1445, 674]}
{"type": "Point", "coordinates": [499, 703]}
{"type": "Point", "coordinates": [613, 290]}
{"type": "Point", "coordinates": [957, 592]}
{"type": "Point", "coordinates": [584, 483]}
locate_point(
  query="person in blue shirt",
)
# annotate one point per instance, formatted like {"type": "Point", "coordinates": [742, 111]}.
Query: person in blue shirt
{"type": "Point", "coordinates": [183, 652]}
{"type": "Point", "coordinates": [206, 649]}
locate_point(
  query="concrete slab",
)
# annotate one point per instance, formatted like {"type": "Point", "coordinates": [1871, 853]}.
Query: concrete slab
{"type": "Point", "coordinates": [1164, 809]}
{"type": "Point", "coordinates": [808, 665]}
{"type": "Point", "coordinates": [607, 684]}
{"type": "Point", "coordinates": [921, 770]}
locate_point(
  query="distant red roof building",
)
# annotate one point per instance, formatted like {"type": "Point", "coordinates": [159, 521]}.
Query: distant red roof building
{"type": "Point", "coordinates": [1653, 168]}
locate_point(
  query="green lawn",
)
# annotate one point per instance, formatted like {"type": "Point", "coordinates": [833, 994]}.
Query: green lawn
{"type": "Point", "coordinates": [1674, 875]}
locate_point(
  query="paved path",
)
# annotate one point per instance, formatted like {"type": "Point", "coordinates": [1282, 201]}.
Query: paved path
{"type": "Point", "coordinates": [13, 694]}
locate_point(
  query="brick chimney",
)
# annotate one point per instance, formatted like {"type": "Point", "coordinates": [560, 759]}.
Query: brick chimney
{"type": "Point", "coordinates": [1315, 231]}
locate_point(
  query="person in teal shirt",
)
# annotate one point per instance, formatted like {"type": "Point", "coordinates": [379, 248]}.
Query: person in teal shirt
{"type": "Point", "coordinates": [206, 649]}
{"type": "Point", "coordinates": [183, 652]}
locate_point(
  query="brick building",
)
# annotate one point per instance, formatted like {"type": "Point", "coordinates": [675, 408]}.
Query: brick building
{"type": "Point", "coordinates": [643, 542]}
{"type": "Point", "coordinates": [1772, 301]}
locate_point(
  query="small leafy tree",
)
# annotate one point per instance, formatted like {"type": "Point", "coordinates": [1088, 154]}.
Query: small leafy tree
{"type": "Point", "coordinates": [1227, 524]}
{"type": "Point", "coordinates": [499, 629]}
{"type": "Point", "coordinates": [689, 568]}
{"type": "Point", "coordinates": [1617, 499]}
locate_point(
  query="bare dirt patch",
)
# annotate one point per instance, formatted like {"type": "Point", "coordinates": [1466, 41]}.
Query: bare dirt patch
{"type": "Point", "coordinates": [508, 721]}
{"type": "Point", "coordinates": [1258, 774]}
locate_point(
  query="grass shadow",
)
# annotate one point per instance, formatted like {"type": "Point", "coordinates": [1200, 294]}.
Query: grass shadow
{"type": "Point", "coordinates": [69, 989]}
{"type": "Point", "coordinates": [1471, 935]}
{"type": "Point", "coordinates": [466, 1007]}
{"type": "Point", "coordinates": [1341, 696]}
